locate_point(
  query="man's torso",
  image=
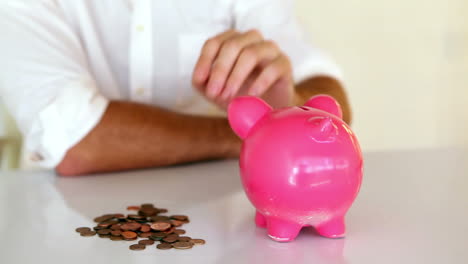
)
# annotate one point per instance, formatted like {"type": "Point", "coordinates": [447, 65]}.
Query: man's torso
{"type": "Point", "coordinates": [145, 51]}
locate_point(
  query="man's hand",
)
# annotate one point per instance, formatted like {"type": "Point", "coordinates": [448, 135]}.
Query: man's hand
{"type": "Point", "coordinates": [234, 63]}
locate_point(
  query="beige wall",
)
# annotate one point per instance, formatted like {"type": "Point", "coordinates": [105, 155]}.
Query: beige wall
{"type": "Point", "coordinates": [405, 65]}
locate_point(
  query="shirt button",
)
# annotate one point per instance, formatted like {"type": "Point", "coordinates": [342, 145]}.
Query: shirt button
{"type": "Point", "coordinates": [140, 28]}
{"type": "Point", "coordinates": [36, 157]}
{"type": "Point", "coordinates": [140, 91]}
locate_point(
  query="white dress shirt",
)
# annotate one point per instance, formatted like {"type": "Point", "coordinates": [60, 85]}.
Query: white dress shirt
{"type": "Point", "coordinates": [62, 61]}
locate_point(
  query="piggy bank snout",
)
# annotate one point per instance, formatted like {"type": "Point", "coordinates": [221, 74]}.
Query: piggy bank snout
{"type": "Point", "coordinates": [321, 129]}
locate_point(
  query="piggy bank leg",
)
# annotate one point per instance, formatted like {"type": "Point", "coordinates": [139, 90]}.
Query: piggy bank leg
{"type": "Point", "coordinates": [260, 220]}
{"type": "Point", "coordinates": [281, 230]}
{"type": "Point", "coordinates": [334, 228]}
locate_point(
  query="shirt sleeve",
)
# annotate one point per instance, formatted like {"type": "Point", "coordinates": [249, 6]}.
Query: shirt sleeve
{"type": "Point", "coordinates": [276, 21]}
{"type": "Point", "coordinates": [44, 80]}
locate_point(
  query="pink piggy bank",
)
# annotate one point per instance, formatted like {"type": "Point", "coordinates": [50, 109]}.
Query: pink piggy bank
{"type": "Point", "coordinates": [300, 166]}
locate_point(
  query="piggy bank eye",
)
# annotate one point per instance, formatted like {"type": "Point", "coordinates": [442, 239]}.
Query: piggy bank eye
{"type": "Point", "coordinates": [321, 129]}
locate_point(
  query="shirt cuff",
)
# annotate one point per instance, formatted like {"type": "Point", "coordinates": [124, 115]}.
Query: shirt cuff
{"type": "Point", "coordinates": [316, 65]}
{"type": "Point", "coordinates": [65, 121]}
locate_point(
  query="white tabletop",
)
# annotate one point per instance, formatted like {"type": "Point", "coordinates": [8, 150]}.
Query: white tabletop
{"type": "Point", "coordinates": [412, 208]}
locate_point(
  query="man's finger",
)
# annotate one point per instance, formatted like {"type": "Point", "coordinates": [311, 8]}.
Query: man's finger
{"type": "Point", "coordinates": [226, 58]}
{"type": "Point", "coordinates": [278, 69]}
{"type": "Point", "coordinates": [251, 57]}
{"type": "Point", "coordinates": [207, 55]}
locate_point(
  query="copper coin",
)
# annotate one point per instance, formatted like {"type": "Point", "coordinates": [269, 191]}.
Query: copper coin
{"type": "Point", "coordinates": [184, 239]}
{"type": "Point", "coordinates": [119, 215]}
{"type": "Point", "coordinates": [173, 235]}
{"type": "Point", "coordinates": [155, 238]}
{"type": "Point", "coordinates": [104, 224]}
{"type": "Point", "coordinates": [163, 221]}
{"type": "Point", "coordinates": [88, 233]}
{"type": "Point", "coordinates": [116, 238]}
{"type": "Point", "coordinates": [104, 231]}
{"type": "Point", "coordinates": [104, 236]}
{"type": "Point", "coordinates": [82, 229]}
{"type": "Point", "coordinates": [162, 210]}
{"type": "Point", "coordinates": [115, 227]}
{"type": "Point", "coordinates": [108, 216]}
{"type": "Point", "coordinates": [160, 226]}
{"type": "Point", "coordinates": [103, 218]}
{"type": "Point", "coordinates": [113, 221]}
{"type": "Point", "coordinates": [133, 208]}
{"type": "Point", "coordinates": [160, 234]}
{"type": "Point", "coordinates": [129, 235]}
{"type": "Point", "coordinates": [133, 226]}
{"type": "Point", "coordinates": [160, 218]}
{"type": "Point", "coordinates": [145, 228]}
{"type": "Point", "coordinates": [170, 230]}
{"type": "Point", "coordinates": [179, 231]}
{"type": "Point", "coordinates": [116, 233]}
{"type": "Point", "coordinates": [146, 242]}
{"type": "Point", "coordinates": [171, 238]}
{"type": "Point", "coordinates": [164, 246]}
{"type": "Point", "coordinates": [99, 219]}
{"type": "Point", "coordinates": [147, 205]}
{"type": "Point", "coordinates": [136, 217]}
{"type": "Point", "coordinates": [144, 234]}
{"type": "Point", "coordinates": [179, 217]}
{"type": "Point", "coordinates": [107, 224]}
{"type": "Point", "coordinates": [148, 211]}
{"type": "Point", "coordinates": [198, 241]}
{"type": "Point", "coordinates": [182, 245]}
{"type": "Point", "coordinates": [177, 223]}
{"type": "Point", "coordinates": [137, 247]}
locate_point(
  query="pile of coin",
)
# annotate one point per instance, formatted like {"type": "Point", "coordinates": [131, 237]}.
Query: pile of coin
{"type": "Point", "coordinates": [147, 224]}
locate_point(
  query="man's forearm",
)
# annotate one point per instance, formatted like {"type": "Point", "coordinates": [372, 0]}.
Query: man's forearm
{"type": "Point", "coordinates": [132, 136]}
{"type": "Point", "coordinates": [323, 85]}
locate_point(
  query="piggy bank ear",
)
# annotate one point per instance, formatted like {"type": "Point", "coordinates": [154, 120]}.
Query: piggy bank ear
{"type": "Point", "coordinates": [325, 103]}
{"type": "Point", "coordinates": [244, 112]}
